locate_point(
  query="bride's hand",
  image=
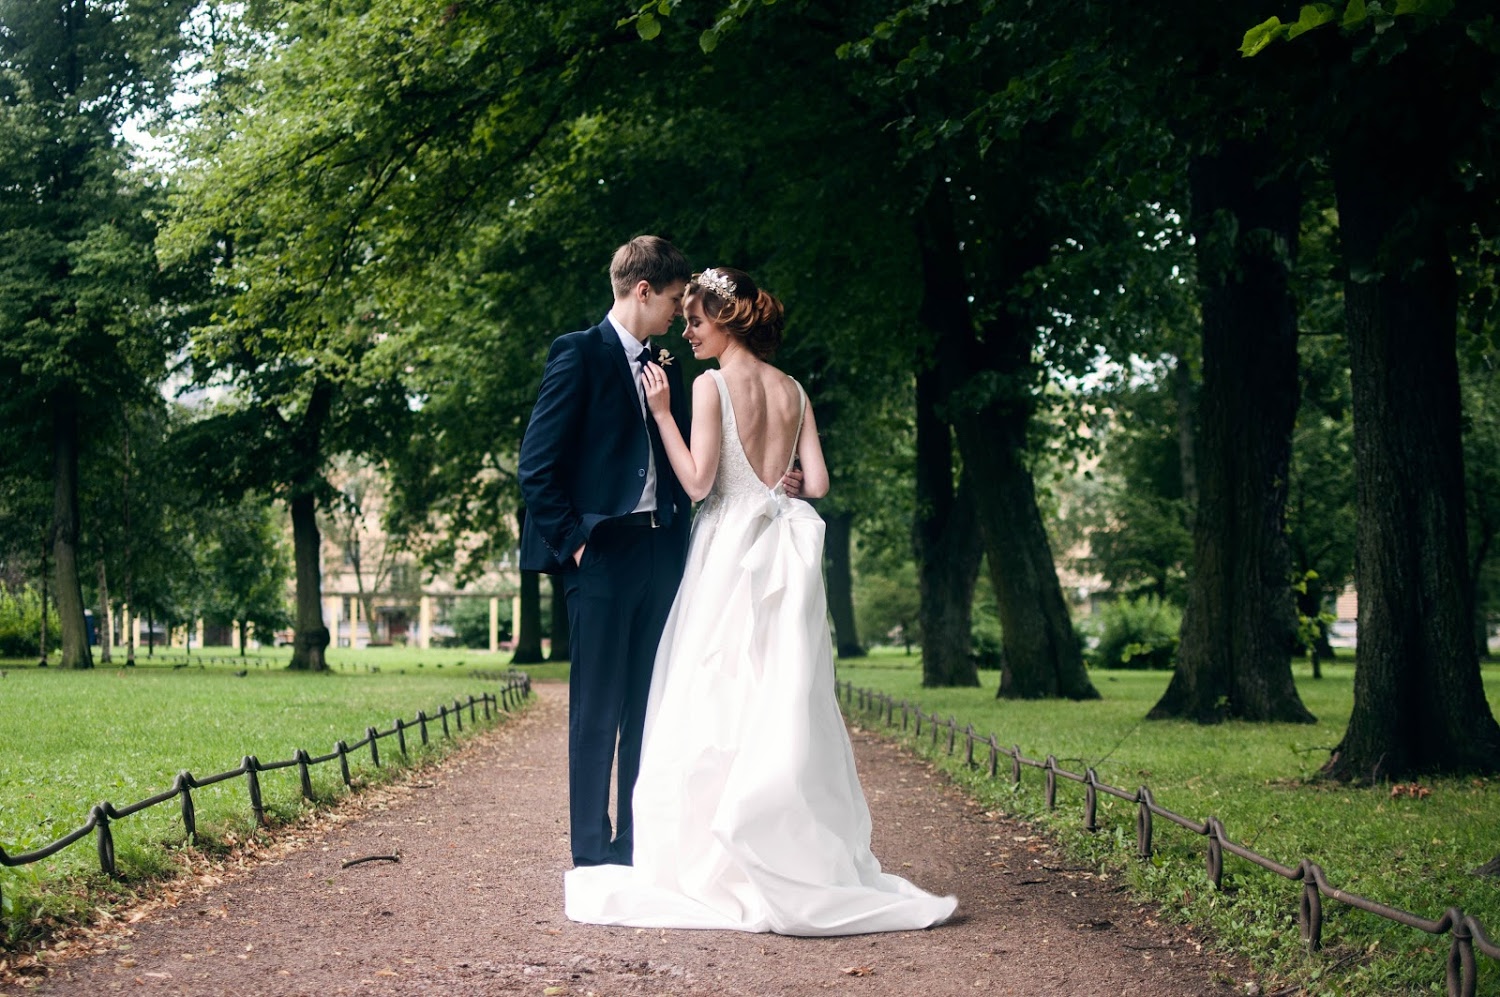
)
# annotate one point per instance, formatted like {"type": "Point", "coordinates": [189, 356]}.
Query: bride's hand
{"type": "Point", "coordinates": [658, 394]}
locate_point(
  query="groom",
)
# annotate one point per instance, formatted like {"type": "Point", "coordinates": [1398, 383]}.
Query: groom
{"type": "Point", "coordinates": [606, 514]}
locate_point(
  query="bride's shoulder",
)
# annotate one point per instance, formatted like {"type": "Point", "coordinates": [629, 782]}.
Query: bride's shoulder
{"type": "Point", "coordinates": [706, 385]}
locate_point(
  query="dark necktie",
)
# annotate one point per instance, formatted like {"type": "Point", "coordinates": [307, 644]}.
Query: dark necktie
{"type": "Point", "coordinates": [663, 509]}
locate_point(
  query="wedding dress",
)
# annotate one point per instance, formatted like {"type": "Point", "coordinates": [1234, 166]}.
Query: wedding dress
{"type": "Point", "coordinates": [748, 812]}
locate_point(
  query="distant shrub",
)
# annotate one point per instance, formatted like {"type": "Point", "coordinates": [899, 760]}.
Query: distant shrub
{"type": "Point", "coordinates": [1138, 633]}
{"type": "Point", "coordinates": [985, 645]}
{"type": "Point", "coordinates": [21, 624]}
{"type": "Point", "coordinates": [471, 622]}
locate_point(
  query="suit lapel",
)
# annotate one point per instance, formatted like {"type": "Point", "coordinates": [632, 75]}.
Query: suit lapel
{"type": "Point", "coordinates": [607, 341]}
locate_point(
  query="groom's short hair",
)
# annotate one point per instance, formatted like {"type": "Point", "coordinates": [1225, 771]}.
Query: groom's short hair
{"type": "Point", "coordinates": [650, 258]}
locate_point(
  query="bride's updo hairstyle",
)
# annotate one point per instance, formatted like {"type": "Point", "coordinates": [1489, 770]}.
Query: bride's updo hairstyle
{"type": "Point", "coordinates": [730, 299]}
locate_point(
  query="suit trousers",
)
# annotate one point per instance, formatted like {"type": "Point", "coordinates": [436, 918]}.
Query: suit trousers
{"type": "Point", "coordinates": [618, 601]}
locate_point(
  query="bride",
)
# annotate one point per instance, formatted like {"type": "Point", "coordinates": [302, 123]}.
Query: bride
{"type": "Point", "coordinates": [748, 811]}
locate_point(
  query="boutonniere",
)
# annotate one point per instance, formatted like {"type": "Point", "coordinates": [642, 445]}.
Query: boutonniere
{"type": "Point", "coordinates": [664, 358]}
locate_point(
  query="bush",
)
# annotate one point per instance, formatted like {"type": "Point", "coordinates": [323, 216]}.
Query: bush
{"type": "Point", "coordinates": [1138, 633]}
{"type": "Point", "coordinates": [470, 618]}
{"type": "Point", "coordinates": [985, 645]}
{"type": "Point", "coordinates": [20, 624]}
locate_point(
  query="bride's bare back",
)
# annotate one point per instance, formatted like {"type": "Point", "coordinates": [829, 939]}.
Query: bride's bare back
{"type": "Point", "coordinates": [767, 412]}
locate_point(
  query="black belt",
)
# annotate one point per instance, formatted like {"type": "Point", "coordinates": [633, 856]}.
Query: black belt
{"type": "Point", "coordinates": [646, 519]}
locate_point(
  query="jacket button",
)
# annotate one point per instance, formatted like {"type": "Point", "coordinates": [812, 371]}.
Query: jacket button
{"type": "Point", "coordinates": [641, 473]}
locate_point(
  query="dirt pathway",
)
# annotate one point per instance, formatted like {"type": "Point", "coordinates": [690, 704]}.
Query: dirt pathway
{"type": "Point", "coordinates": [475, 906]}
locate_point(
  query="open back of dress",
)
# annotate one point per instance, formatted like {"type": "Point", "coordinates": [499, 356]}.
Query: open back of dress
{"type": "Point", "coordinates": [748, 811]}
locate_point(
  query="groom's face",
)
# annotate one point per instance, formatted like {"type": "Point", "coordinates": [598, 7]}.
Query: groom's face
{"type": "Point", "coordinates": [659, 308]}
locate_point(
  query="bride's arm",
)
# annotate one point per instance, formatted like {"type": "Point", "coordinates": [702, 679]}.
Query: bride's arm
{"type": "Point", "coordinates": [810, 456]}
{"type": "Point", "coordinates": [695, 466]}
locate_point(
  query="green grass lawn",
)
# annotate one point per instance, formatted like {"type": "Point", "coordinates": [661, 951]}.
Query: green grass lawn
{"type": "Point", "coordinates": [71, 739]}
{"type": "Point", "coordinates": [1410, 853]}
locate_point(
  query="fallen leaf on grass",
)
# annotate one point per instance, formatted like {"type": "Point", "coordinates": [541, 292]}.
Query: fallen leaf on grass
{"type": "Point", "coordinates": [858, 971]}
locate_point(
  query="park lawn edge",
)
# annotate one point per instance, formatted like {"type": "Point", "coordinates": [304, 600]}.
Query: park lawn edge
{"type": "Point", "coordinates": [71, 915]}
{"type": "Point", "coordinates": [1253, 917]}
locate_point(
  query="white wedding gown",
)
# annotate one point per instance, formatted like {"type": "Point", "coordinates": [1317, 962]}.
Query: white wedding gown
{"type": "Point", "coordinates": [748, 811]}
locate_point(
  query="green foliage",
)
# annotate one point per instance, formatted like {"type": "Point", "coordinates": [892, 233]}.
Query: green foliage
{"type": "Point", "coordinates": [1260, 780]}
{"type": "Point", "coordinates": [21, 624]}
{"type": "Point", "coordinates": [245, 565]}
{"type": "Point", "coordinates": [1356, 14]}
{"type": "Point", "coordinates": [985, 639]}
{"type": "Point", "coordinates": [470, 619]}
{"type": "Point", "coordinates": [886, 603]}
{"type": "Point", "coordinates": [1128, 513]}
{"type": "Point", "coordinates": [80, 289]}
{"type": "Point", "coordinates": [1138, 633]}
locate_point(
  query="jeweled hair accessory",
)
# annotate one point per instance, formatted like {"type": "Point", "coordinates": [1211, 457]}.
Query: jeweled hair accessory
{"type": "Point", "coordinates": [718, 283]}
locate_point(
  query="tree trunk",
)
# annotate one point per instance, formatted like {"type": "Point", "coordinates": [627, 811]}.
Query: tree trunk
{"type": "Point", "coordinates": [244, 626]}
{"type": "Point", "coordinates": [367, 606]}
{"type": "Point", "coordinates": [1185, 389]}
{"type": "Point", "coordinates": [129, 548]}
{"type": "Point", "coordinates": [529, 627]}
{"type": "Point", "coordinates": [75, 638]}
{"type": "Point", "coordinates": [836, 543]}
{"type": "Point", "coordinates": [1240, 623]}
{"type": "Point", "coordinates": [1042, 654]}
{"type": "Point", "coordinates": [995, 377]}
{"type": "Point", "coordinates": [1479, 596]}
{"type": "Point", "coordinates": [1419, 702]}
{"type": "Point", "coordinates": [43, 637]}
{"type": "Point", "coordinates": [561, 642]}
{"type": "Point", "coordinates": [945, 534]}
{"type": "Point", "coordinates": [310, 644]}
{"type": "Point", "coordinates": [107, 634]}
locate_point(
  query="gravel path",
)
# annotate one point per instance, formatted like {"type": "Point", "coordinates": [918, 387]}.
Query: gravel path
{"type": "Point", "coordinates": [474, 906]}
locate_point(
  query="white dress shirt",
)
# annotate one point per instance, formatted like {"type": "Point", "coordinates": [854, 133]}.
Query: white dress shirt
{"type": "Point", "coordinates": [632, 348]}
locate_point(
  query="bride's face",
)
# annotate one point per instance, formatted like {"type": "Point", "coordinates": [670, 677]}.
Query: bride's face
{"type": "Point", "coordinates": [705, 336]}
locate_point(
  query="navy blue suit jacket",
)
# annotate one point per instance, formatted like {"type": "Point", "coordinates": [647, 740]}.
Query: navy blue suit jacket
{"type": "Point", "coordinates": [583, 457]}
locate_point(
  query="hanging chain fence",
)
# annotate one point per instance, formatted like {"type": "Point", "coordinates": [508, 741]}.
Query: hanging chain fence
{"type": "Point", "coordinates": [1468, 934]}
{"type": "Point", "coordinates": [514, 691]}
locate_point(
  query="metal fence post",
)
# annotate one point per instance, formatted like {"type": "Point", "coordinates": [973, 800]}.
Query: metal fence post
{"type": "Point", "coordinates": [1143, 823]}
{"type": "Point", "coordinates": [105, 841]}
{"type": "Point", "coordinates": [184, 785]}
{"type": "Point", "coordinates": [303, 776]}
{"type": "Point", "coordinates": [1090, 800]}
{"type": "Point", "coordinates": [1215, 862]}
{"type": "Point", "coordinates": [251, 765]}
